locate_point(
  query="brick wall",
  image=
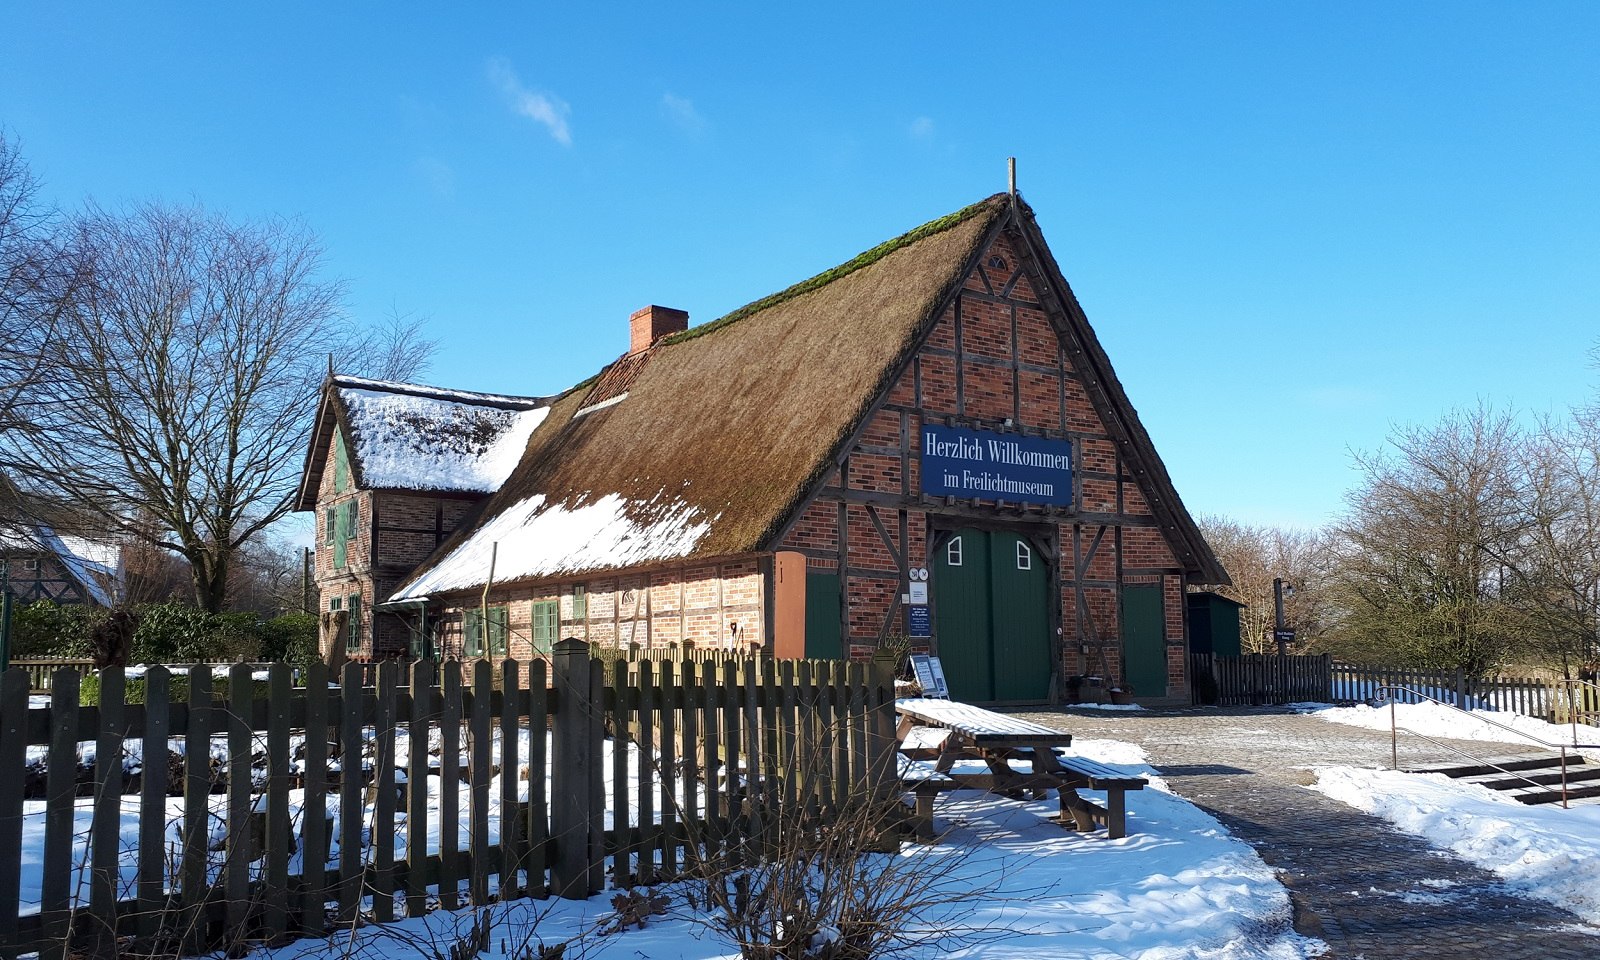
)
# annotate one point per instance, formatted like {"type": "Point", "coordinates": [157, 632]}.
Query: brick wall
{"type": "Point", "coordinates": [994, 356]}
{"type": "Point", "coordinates": [705, 605]}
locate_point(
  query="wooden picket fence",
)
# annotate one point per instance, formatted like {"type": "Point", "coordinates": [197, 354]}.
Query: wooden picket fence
{"type": "Point", "coordinates": [703, 753]}
{"type": "Point", "coordinates": [1258, 679]}
{"type": "Point", "coordinates": [1545, 699]}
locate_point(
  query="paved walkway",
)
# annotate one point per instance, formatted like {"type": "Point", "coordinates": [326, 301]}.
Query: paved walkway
{"type": "Point", "coordinates": [1367, 889]}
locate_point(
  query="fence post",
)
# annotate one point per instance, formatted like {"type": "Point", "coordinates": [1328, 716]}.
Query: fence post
{"type": "Point", "coordinates": [881, 747]}
{"type": "Point", "coordinates": [1461, 689]}
{"type": "Point", "coordinates": [570, 770]}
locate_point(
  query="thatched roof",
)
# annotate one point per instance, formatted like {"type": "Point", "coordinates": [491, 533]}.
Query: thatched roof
{"type": "Point", "coordinates": [726, 427]}
{"type": "Point", "coordinates": [722, 431]}
{"type": "Point", "coordinates": [405, 436]}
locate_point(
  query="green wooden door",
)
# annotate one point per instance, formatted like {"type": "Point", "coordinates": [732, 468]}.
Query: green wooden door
{"type": "Point", "coordinates": [1020, 618]}
{"type": "Point", "coordinates": [823, 599]}
{"type": "Point", "coordinates": [965, 626]}
{"type": "Point", "coordinates": [1144, 642]}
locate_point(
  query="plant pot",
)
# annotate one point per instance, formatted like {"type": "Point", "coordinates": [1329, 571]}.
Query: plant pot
{"type": "Point", "coordinates": [1121, 698]}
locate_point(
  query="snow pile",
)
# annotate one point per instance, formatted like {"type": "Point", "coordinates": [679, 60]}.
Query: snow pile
{"type": "Point", "coordinates": [1439, 721]}
{"type": "Point", "coordinates": [1540, 851]}
{"type": "Point", "coordinates": [540, 540]}
{"type": "Point", "coordinates": [408, 442]}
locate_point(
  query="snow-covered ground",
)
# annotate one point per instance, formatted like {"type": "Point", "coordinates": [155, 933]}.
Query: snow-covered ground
{"type": "Point", "coordinates": [1178, 888]}
{"type": "Point", "coordinates": [1541, 851]}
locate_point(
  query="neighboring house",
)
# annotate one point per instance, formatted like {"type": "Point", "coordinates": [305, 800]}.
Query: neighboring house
{"type": "Point", "coordinates": [926, 441]}
{"type": "Point", "coordinates": [44, 565]}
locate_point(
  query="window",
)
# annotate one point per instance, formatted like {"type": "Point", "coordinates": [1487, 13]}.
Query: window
{"type": "Point", "coordinates": [499, 630]}
{"type": "Point", "coordinates": [330, 523]}
{"type": "Point", "coordinates": [354, 634]}
{"type": "Point", "coordinates": [546, 624]}
{"type": "Point", "coordinates": [1024, 556]}
{"type": "Point", "coordinates": [952, 552]}
{"type": "Point", "coordinates": [352, 518]}
{"type": "Point", "coordinates": [32, 563]}
{"type": "Point", "coordinates": [580, 603]}
{"type": "Point", "coordinates": [472, 633]}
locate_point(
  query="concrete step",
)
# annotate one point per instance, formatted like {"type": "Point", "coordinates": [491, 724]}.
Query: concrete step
{"type": "Point", "coordinates": [1533, 797]}
{"type": "Point", "coordinates": [1492, 767]}
{"type": "Point", "coordinates": [1538, 776]}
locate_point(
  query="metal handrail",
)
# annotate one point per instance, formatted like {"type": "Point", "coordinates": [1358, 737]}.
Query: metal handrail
{"type": "Point", "coordinates": [1571, 687]}
{"type": "Point", "coordinates": [1394, 737]}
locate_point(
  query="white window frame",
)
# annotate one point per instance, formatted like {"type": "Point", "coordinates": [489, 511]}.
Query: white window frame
{"type": "Point", "coordinates": [1024, 555]}
{"type": "Point", "coordinates": [952, 552]}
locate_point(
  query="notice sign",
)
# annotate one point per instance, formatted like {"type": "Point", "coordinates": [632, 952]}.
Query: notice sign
{"type": "Point", "coordinates": [975, 464]}
{"type": "Point", "coordinates": [918, 623]}
{"type": "Point", "coordinates": [930, 676]}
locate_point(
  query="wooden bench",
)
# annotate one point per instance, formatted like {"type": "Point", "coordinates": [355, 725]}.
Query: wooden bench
{"type": "Point", "coordinates": [1083, 772]}
{"type": "Point", "coordinates": [924, 781]}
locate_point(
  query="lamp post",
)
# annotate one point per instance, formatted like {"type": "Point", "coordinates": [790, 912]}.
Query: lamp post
{"type": "Point", "coordinates": [1280, 629]}
{"type": "Point", "coordinates": [5, 614]}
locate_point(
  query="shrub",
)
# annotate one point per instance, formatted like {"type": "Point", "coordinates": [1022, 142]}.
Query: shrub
{"type": "Point", "coordinates": [45, 628]}
{"type": "Point", "coordinates": [291, 638]}
{"type": "Point", "coordinates": [175, 632]}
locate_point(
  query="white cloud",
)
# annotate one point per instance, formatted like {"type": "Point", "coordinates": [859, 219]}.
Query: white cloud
{"type": "Point", "coordinates": [922, 128]}
{"type": "Point", "coordinates": [681, 111]}
{"type": "Point", "coordinates": [537, 105]}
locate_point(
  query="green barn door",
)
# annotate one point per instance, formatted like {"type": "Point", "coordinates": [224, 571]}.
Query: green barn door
{"type": "Point", "coordinates": [823, 599]}
{"type": "Point", "coordinates": [1144, 642]}
{"type": "Point", "coordinates": [1020, 617]}
{"type": "Point", "coordinates": [963, 592]}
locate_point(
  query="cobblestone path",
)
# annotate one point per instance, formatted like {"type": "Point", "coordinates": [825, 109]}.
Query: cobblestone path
{"type": "Point", "coordinates": [1367, 889]}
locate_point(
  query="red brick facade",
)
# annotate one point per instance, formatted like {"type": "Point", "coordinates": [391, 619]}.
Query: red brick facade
{"type": "Point", "coordinates": [994, 362]}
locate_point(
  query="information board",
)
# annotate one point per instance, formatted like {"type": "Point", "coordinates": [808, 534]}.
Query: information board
{"type": "Point", "coordinates": [918, 622]}
{"type": "Point", "coordinates": [930, 676]}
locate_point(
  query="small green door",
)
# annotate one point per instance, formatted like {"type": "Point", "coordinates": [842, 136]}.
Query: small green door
{"type": "Point", "coordinates": [1020, 612]}
{"type": "Point", "coordinates": [1144, 641]}
{"type": "Point", "coordinates": [823, 599]}
{"type": "Point", "coordinates": [963, 594]}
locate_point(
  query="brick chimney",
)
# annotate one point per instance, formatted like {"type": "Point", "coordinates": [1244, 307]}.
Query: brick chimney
{"type": "Point", "coordinates": [652, 323]}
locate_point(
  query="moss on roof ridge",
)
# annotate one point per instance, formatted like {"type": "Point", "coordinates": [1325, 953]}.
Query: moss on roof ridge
{"type": "Point", "coordinates": [858, 262]}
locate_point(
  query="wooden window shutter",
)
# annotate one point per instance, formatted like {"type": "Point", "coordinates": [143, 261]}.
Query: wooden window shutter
{"type": "Point", "coordinates": [472, 633]}
{"type": "Point", "coordinates": [546, 623]}
{"type": "Point", "coordinates": [499, 630]}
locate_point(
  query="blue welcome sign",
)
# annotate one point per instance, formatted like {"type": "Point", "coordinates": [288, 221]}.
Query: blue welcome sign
{"type": "Point", "coordinates": [984, 464]}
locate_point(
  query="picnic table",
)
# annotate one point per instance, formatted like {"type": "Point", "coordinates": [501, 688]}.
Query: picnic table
{"type": "Point", "coordinates": [946, 731]}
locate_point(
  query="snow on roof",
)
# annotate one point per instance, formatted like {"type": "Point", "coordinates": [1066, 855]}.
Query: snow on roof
{"type": "Point", "coordinates": [427, 439]}
{"type": "Point", "coordinates": [439, 393]}
{"type": "Point", "coordinates": [96, 564]}
{"type": "Point", "coordinates": [540, 540]}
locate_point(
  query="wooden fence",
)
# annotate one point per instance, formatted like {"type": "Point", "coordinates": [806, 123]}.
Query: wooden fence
{"type": "Point", "coordinates": [240, 833]}
{"type": "Point", "coordinates": [42, 670]}
{"type": "Point", "coordinates": [1258, 679]}
{"type": "Point", "coordinates": [1265, 679]}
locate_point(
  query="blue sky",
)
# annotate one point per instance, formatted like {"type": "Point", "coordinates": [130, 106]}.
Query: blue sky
{"type": "Point", "coordinates": [1292, 225]}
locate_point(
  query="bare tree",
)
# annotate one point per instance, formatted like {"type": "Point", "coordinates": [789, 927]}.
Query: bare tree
{"type": "Point", "coordinates": [1433, 536]}
{"type": "Point", "coordinates": [1253, 556]}
{"type": "Point", "coordinates": [185, 375]}
{"type": "Point", "coordinates": [34, 272]}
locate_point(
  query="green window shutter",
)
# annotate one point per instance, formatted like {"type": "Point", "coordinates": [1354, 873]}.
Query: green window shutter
{"type": "Point", "coordinates": [546, 623]}
{"type": "Point", "coordinates": [330, 524]}
{"type": "Point", "coordinates": [352, 523]}
{"type": "Point", "coordinates": [472, 633]}
{"type": "Point", "coordinates": [341, 463]}
{"type": "Point", "coordinates": [354, 637]}
{"type": "Point", "coordinates": [499, 630]}
{"type": "Point", "coordinates": [580, 603]}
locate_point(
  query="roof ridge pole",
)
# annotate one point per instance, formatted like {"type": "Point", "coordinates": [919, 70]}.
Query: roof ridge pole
{"type": "Point", "coordinates": [1011, 177]}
